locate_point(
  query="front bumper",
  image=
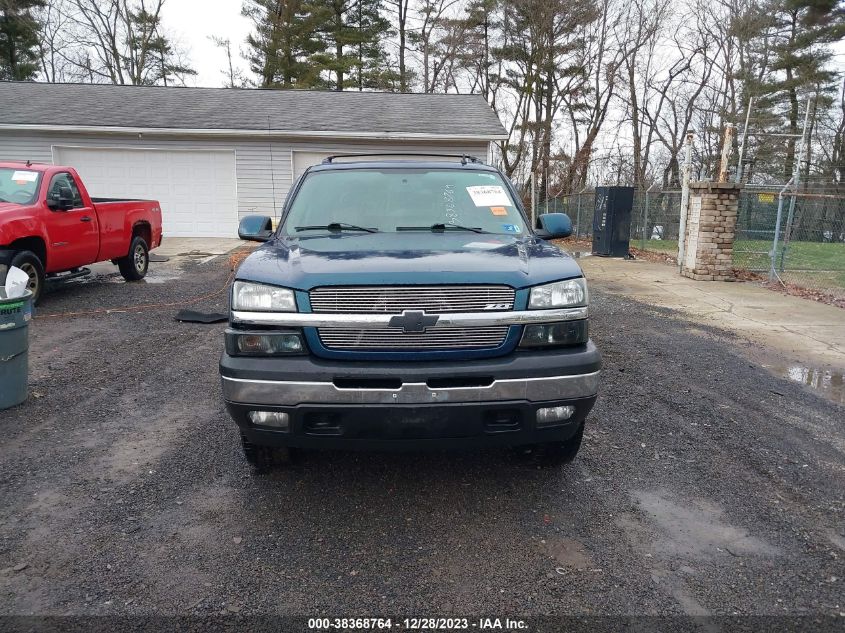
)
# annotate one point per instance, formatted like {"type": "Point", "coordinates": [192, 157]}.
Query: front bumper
{"type": "Point", "coordinates": [412, 404]}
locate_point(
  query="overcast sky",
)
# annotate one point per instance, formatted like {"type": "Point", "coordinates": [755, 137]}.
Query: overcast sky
{"type": "Point", "coordinates": [191, 22]}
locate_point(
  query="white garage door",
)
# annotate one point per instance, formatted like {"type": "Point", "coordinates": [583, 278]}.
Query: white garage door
{"type": "Point", "coordinates": [196, 188]}
{"type": "Point", "coordinates": [304, 160]}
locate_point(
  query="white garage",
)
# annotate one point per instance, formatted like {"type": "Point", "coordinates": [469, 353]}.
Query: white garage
{"type": "Point", "coordinates": [214, 155]}
{"type": "Point", "coordinates": [197, 189]}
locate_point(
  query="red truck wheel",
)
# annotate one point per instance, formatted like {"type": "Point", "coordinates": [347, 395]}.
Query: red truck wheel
{"type": "Point", "coordinates": [28, 262]}
{"type": "Point", "coordinates": [134, 266]}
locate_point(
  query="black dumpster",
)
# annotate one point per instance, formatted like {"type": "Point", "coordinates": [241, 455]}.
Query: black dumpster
{"type": "Point", "coordinates": [612, 221]}
{"type": "Point", "coordinates": [15, 315]}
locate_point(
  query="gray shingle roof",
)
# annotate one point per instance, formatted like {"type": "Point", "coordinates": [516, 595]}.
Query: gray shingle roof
{"type": "Point", "coordinates": [25, 103]}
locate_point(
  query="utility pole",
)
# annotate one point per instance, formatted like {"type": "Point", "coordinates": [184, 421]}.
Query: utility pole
{"type": "Point", "coordinates": [682, 228]}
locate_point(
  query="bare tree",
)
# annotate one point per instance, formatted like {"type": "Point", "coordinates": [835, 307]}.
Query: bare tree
{"type": "Point", "coordinates": [111, 41]}
{"type": "Point", "coordinates": [431, 40]}
{"type": "Point", "coordinates": [54, 47]}
{"type": "Point", "coordinates": [399, 10]}
{"type": "Point", "coordinates": [234, 77]}
{"type": "Point", "coordinates": [601, 60]}
{"type": "Point", "coordinates": [645, 20]}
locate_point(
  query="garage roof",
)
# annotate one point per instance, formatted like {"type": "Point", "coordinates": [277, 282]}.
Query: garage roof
{"type": "Point", "coordinates": [209, 111]}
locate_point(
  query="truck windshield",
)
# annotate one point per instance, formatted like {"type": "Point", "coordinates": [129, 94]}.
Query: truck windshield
{"type": "Point", "coordinates": [399, 199]}
{"type": "Point", "coordinates": [18, 185]}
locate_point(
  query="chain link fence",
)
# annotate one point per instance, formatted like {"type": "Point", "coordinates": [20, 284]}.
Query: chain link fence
{"type": "Point", "coordinates": [810, 249]}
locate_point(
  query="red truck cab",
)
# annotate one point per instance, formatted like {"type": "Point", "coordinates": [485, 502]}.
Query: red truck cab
{"type": "Point", "coordinates": [49, 225]}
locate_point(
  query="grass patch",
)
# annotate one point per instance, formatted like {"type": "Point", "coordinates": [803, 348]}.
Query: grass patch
{"type": "Point", "coordinates": [815, 264]}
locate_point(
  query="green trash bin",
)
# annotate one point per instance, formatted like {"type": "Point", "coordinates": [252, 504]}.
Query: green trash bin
{"type": "Point", "coordinates": [15, 315]}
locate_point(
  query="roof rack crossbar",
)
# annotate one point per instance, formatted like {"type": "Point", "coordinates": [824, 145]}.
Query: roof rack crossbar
{"type": "Point", "coordinates": [464, 158]}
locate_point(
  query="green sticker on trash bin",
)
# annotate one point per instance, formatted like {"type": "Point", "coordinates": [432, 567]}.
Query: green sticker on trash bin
{"type": "Point", "coordinates": [11, 308]}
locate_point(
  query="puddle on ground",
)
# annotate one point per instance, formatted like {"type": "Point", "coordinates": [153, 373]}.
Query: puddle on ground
{"type": "Point", "coordinates": [159, 279]}
{"type": "Point", "coordinates": [567, 552]}
{"type": "Point", "coordinates": [697, 529]}
{"type": "Point", "coordinates": [829, 383]}
{"type": "Point", "coordinates": [117, 278]}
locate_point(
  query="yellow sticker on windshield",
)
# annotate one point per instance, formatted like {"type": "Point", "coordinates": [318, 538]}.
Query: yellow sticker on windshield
{"type": "Point", "coordinates": [498, 211]}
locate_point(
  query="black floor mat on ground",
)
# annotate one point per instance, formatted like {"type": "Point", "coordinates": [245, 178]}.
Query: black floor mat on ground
{"type": "Point", "coordinates": [191, 316]}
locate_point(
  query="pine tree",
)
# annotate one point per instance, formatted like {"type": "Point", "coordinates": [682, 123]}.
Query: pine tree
{"type": "Point", "coordinates": [351, 32]}
{"type": "Point", "coordinates": [802, 32]}
{"type": "Point", "coordinates": [18, 39]}
{"type": "Point", "coordinates": [284, 43]}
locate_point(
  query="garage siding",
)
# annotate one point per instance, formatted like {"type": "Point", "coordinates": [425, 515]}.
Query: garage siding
{"type": "Point", "coordinates": [256, 159]}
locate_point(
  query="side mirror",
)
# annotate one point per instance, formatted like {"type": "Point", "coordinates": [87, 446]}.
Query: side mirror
{"type": "Point", "coordinates": [256, 228]}
{"type": "Point", "coordinates": [60, 199]}
{"type": "Point", "coordinates": [554, 225]}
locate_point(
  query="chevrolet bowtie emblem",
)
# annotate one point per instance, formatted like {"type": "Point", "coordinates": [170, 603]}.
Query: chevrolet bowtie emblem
{"type": "Point", "coordinates": [413, 321]}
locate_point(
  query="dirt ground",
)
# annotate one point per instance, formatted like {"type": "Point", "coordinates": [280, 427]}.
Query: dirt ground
{"type": "Point", "coordinates": [706, 485]}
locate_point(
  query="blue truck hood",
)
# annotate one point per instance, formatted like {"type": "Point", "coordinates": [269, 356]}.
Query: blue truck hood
{"type": "Point", "coordinates": [346, 259]}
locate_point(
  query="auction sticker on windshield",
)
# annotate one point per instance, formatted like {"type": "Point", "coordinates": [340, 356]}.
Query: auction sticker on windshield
{"type": "Point", "coordinates": [489, 196]}
{"type": "Point", "coordinates": [21, 177]}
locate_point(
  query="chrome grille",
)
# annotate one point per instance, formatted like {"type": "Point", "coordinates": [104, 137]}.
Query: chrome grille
{"type": "Point", "coordinates": [395, 339]}
{"type": "Point", "coordinates": [395, 299]}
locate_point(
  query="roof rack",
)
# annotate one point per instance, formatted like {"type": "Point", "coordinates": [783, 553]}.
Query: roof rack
{"type": "Point", "coordinates": [464, 158]}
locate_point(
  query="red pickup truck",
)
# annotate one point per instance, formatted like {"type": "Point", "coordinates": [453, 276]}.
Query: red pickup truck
{"type": "Point", "coordinates": [49, 225]}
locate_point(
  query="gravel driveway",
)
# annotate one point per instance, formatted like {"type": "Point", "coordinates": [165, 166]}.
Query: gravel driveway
{"type": "Point", "coordinates": [705, 485]}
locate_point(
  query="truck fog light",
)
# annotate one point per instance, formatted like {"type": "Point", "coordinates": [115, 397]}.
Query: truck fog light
{"type": "Point", "coordinates": [549, 416]}
{"type": "Point", "coordinates": [277, 419]}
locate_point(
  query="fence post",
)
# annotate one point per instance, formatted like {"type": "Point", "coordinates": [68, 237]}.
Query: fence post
{"type": "Point", "coordinates": [578, 216]}
{"type": "Point", "coordinates": [774, 254]}
{"type": "Point", "coordinates": [796, 178]}
{"type": "Point", "coordinates": [646, 237]}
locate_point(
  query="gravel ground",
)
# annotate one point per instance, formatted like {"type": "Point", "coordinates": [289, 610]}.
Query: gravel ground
{"type": "Point", "coordinates": [705, 486]}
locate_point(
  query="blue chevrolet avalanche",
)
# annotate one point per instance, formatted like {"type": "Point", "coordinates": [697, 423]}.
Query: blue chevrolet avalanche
{"type": "Point", "coordinates": [408, 304]}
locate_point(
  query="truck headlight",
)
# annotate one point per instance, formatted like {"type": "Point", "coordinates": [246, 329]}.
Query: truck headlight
{"type": "Point", "coordinates": [263, 343]}
{"type": "Point", "coordinates": [561, 334]}
{"type": "Point", "coordinates": [560, 294]}
{"type": "Point", "coordinates": [251, 297]}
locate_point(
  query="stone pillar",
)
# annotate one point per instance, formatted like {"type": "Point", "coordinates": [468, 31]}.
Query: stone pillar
{"type": "Point", "coordinates": [711, 230]}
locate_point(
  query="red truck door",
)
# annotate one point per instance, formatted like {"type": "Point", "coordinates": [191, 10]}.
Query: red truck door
{"type": "Point", "coordinates": [74, 233]}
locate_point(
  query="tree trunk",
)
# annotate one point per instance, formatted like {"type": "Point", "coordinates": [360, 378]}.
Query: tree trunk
{"type": "Point", "coordinates": [403, 71]}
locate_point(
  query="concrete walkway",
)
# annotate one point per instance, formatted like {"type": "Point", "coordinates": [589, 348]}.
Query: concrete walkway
{"type": "Point", "coordinates": [175, 246]}
{"type": "Point", "coordinates": [798, 338]}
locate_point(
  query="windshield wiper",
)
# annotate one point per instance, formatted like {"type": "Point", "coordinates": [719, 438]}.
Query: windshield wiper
{"type": "Point", "coordinates": [441, 226]}
{"type": "Point", "coordinates": [335, 226]}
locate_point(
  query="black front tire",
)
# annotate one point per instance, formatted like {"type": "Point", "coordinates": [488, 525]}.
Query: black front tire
{"type": "Point", "coordinates": [561, 453]}
{"type": "Point", "coordinates": [134, 266]}
{"type": "Point", "coordinates": [553, 453]}
{"type": "Point", "coordinates": [29, 262]}
{"type": "Point", "coordinates": [265, 458]}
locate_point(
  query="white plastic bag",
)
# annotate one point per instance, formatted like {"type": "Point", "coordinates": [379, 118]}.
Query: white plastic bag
{"type": "Point", "coordinates": [16, 281]}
